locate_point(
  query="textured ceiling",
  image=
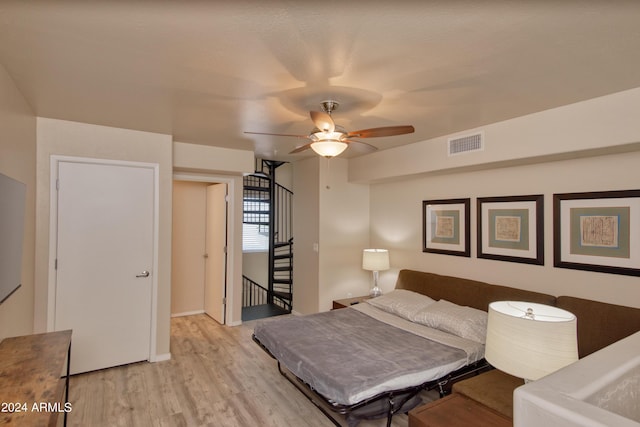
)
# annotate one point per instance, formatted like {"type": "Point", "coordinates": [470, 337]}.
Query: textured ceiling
{"type": "Point", "coordinates": [205, 71]}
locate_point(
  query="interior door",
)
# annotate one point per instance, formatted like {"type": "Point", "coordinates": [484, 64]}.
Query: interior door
{"type": "Point", "coordinates": [216, 258]}
{"type": "Point", "coordinates": [105, 235]}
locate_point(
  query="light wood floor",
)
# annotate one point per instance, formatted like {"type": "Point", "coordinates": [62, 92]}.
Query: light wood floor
{"type": "Point", "coordinates": [217, 377]}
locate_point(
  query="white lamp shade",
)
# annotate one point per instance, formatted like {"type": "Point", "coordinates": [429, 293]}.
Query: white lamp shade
{"type": "Point", "coordinates": [375, 259]}
{"type": "Point", "coordinates": [329, 147]}
{"type": "Point", "coordinates": [530, 347]}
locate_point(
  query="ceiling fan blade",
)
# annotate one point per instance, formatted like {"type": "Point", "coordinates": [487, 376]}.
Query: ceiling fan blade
{"type": "Point", "coordinates": [301, 148]}
{"type": "Point", "coordinates": [371, 147]}
{"type": "Point", "coordinates": [383, 131]}
{"type": "Point", "coordinates": [323, 121]}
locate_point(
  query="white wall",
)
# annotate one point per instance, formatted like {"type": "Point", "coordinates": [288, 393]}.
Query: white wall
{"type": "Point", "coordinates": [563, 152]}
{"type": "Point", "coordinates": [18, 161]}
{"type": "Point", "coordinates": [204, 158]}
{"type": "Point", "coordinates": [284, 175]}
{"type": "Point", "coordinates": [344, 233]}
{"type": "Point", "coordinates": [255, 265]}
{"type": "Point", "coordinates": [85, 140]}
{"type": "Point", "coordinates": [306, 232]}
{"type": "Point", "coordinates": [396, 221]}
{"type": "Point", "coordinates": [332, 215]}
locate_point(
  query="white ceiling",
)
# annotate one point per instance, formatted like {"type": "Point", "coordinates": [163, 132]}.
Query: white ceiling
{"type": "Point", "coordinates": [205, 71]}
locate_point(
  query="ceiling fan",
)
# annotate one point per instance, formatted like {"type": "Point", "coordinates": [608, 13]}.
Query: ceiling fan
{"type": "Point", "coordinates": [329, 139]}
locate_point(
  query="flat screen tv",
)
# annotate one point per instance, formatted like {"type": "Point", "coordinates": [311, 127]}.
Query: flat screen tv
{"type": "Point", "coordinates": [12, 208]}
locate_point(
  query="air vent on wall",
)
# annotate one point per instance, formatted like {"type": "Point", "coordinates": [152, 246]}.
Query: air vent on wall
{"type": "Point", "coordinates": [466, 144]}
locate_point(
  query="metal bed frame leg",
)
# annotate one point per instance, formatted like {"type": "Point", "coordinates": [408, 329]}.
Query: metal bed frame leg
{"type": "Point", "coordinates": [391, 412]}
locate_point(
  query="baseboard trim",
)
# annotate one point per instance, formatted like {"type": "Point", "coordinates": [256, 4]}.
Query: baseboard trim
{"type": "Point", "coordinates": [187, 313]}
{"type": "Point", "coordinates": [161, 357]}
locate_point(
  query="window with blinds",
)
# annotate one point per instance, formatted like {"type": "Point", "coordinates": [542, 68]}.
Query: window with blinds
{"type": "Point", "coordinates": [255, 238]}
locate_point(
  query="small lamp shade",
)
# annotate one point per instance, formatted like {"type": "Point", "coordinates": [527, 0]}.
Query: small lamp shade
{"type": "Point", "coordinates": [375, 259]}
{"type": "Point", "coordinates": [529, 340]}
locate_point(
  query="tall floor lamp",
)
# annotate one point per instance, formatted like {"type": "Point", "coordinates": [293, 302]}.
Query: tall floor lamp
{"type": "Point", "coordinates": [375, 260]}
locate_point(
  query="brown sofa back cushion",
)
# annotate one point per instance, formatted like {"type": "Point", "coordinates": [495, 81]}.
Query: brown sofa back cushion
{"type": "Point", "coordinates": [600, 323]}
{"type": "Point", "coordinates": [465, 291]}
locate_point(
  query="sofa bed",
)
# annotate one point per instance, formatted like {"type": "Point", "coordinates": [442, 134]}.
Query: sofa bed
{"type": "Point", "coordinates": [599, 324]}
{"type": "Point", "coordinates": [372, 359]}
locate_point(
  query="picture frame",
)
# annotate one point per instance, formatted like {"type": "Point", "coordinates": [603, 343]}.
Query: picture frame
{"type": "Point", "coordinates": [595, 231]}
{"type": "Point", "coordinates": [511, 228]}
{"type": "Point", "coordinates": [446, 226]}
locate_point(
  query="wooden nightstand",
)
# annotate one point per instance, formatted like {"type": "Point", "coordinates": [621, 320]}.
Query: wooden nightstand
{"type": "Point", "coordinates": [456, 410]}
{"type": "Point", "coordinates": [344, 303]}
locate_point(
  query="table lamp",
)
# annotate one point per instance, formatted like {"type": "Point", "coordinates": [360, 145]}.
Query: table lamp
{"type": "Point", "coordinates": [375, 260]}
{"type": "Point", "coordinates": [529, 340]}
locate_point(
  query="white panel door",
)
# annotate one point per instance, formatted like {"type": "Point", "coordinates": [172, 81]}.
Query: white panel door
{"type": "Point", "coordinates": [105, 262]}
{"type": "Point", "coordinates": [216, 259]}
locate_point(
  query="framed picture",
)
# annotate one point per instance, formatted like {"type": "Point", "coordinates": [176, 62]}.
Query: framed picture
{"type": "Point", "coordinates": [597, 231]}
{"type": "Point", "coordinates": [445, 226]}
{"type": "Point", "coordinates": [511, 228]}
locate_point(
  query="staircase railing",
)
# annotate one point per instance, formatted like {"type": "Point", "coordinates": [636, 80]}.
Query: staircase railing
{"type": "Point", "coordinates": [254, 294]}
{"type": "Point", "coordinates": [281, 253]}
{"type": "Point", "coordinates": [270, 206]}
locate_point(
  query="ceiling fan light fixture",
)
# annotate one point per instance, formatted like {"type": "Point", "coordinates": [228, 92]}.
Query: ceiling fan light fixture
{"type": "Point", "coordinates": [320, 135]}
{"type": "Point", "coordinates": [329, 147]}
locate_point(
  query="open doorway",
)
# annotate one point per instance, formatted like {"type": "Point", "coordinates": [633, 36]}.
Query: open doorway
{"type": "Point", "coordinates": [267, 248]}
{"type": "Point", "coordinates": [199, 249]}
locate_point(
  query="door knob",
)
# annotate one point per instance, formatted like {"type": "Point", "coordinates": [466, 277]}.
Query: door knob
{"type": "Point", "coordinates": [145, 273]}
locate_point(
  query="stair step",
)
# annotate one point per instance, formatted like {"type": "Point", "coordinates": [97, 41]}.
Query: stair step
{"type": "Point", "coordinates": [288, 268]}
{"type": "Point", "coordinates": [281, 244]}
{"type": "Point", "coordinates": [283, 281]}
{"type": "Point", "coordinates": [283, 295]}
{"type": "Point", "coordinates": [256, 188]}
{"type": "Point", "coordinates": [285, 256]}
{"type": "Point", "coordinates": [261, 174]}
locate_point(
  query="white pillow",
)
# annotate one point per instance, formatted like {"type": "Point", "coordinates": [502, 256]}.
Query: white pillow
{"type": "Point", "coordinates": [401, 302]}
{"type": "Point", "coordinates": [465, 322]}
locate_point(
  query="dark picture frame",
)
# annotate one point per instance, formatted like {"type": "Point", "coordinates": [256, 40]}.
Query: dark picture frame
{"type": "Point", "coordinates": [511, 228]}
{"type": "Point", "coordinates": [446, 226]}
{"type": "Point", "coordinates": [594, 231]}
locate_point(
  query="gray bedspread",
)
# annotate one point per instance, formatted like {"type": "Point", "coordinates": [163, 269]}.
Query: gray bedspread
{"type": "Point", "coordinates": [348, 356]}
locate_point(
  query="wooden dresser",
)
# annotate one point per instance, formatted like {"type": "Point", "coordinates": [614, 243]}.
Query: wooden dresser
{"type": "Point", "coordinates": [34, 379]}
